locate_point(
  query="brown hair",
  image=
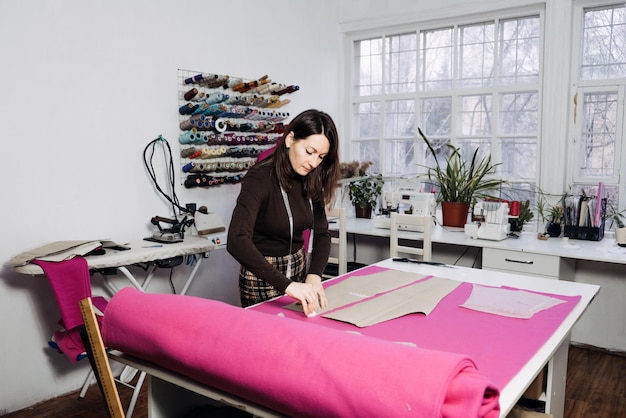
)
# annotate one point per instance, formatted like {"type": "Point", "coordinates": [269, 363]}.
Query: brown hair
{"type": "Point", "coordinates": [319, 184]}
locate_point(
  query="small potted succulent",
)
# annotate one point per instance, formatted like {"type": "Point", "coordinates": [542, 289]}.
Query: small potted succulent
{"type": "Point", "coordinates": [365, 189]}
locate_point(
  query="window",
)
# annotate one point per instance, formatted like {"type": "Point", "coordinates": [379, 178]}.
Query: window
{"type": "Point", "coordinates": [471, 85]}
{"type": "Point", "coordinates": [600, 82]}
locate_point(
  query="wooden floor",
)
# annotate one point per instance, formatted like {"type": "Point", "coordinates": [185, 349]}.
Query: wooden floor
{"type": "Point", "coordinates": [596, 388]}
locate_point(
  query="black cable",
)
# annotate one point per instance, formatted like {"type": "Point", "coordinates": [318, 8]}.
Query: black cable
{"type": "Point", "coordinates": [461, 256]}
{"type": "Point", "coordinates": [172, 281]}
{"type": "Point", "coordinates": [169, 164]}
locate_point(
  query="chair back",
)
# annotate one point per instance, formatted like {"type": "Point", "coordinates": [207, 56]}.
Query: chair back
{"type": "Point", "coordinates": [339, 244]}
{"type": "Point", "coordinates": [401, 222]}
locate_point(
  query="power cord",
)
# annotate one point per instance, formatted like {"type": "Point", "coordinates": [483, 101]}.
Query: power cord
{"type": "Point", "coordinates": [169, 164]}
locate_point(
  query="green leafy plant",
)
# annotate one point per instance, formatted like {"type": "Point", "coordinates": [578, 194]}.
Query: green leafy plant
{"type": "Point", "coordinates": [460, 180]}
{"type": "Point", "coordinates": [366, 190]}
{"type": "Point", "coordinates": [552, 213]}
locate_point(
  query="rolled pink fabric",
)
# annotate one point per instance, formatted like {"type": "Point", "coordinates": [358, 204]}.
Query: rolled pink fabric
{"type": "Point", "coordinates": [294, 367]}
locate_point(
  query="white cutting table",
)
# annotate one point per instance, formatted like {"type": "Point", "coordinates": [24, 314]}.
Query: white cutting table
{"type": "Point", "coordinates": [171, 393]}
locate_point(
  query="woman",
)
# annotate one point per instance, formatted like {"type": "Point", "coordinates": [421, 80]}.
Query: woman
{"type": "Point", "coordinates": [282, 196]}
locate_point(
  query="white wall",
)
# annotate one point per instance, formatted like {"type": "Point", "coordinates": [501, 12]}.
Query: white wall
{"type": "Point", "coordinates": [85, 85]}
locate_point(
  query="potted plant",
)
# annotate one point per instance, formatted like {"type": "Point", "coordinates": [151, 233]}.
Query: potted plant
{"type": "Point", "coordinates": [620, 228]}
{"type": "Point", "coordinates": [550, 208]}
{"type": "Point", "coordinates": [460, 182]}
{"type": "Point", "coordinates": [363, 193]}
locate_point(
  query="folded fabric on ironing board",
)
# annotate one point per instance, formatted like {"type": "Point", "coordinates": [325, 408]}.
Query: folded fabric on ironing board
{"type": "Point", "coordinates": [293, 367]}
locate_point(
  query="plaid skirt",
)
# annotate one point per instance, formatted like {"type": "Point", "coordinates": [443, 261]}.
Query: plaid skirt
{"type": "Point", "coordinates": [253, 290]}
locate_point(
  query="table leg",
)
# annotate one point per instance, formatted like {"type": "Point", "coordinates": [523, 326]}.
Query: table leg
{"type": "Point", "coordinates": [557, 375]}
{"type": "Point", "coordinates": [191, 275]}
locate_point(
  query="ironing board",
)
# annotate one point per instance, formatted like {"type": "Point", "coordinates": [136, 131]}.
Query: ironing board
{"type": "Point", "coordinates": [139, 251]}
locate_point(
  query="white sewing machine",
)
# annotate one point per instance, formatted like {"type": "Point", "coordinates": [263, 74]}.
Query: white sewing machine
{"type": "Point", "coordinates": [493, 224]}
{"type": "Point", "coordinates": [405, 201]}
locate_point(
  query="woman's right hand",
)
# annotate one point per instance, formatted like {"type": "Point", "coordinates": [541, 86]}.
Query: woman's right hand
{"type": "Point", "coordinates": [307, 296]}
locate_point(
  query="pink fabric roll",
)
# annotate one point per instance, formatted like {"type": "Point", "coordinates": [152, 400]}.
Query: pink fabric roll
{"type": "Point", "coordinates": [293, 367]}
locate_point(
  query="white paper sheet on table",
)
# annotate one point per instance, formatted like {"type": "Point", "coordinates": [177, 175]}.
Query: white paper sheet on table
{"type": "Point", "coordinates": [513, 303]}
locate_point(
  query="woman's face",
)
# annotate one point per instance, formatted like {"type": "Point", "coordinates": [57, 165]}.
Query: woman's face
{"type": "Point", "coordinates": [307, 153]}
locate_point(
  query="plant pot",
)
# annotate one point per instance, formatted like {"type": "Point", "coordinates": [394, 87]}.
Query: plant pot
{"type": "Point", "coordinates": [363, 212]}
{"type": "Point", "coordinates": [620, 235]}
{"type": "Point", "coordinates": [454, 214]}
{"type": "Point", "coordinates": [516, 226]}
{"type": "Point", "coordinates": [554, 229]}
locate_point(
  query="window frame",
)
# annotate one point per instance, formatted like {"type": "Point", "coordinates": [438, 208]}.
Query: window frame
{"type": "Point", "coordinates": [580, 87]}
{"type": "Point", "coordinates": [417, 27]}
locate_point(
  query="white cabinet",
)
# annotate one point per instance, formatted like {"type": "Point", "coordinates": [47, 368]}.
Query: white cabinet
{"type": "Point", "coordinates": [535, 264]}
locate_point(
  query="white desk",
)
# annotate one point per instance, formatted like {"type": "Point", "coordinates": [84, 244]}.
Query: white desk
{"type": "Point", "coordinates": [604, 251]}
{"type": "Point", "coordinates": [170, 392]}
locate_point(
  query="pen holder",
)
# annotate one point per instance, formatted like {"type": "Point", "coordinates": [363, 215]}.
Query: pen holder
{"type": "Point", "coordinates": [588, 233]}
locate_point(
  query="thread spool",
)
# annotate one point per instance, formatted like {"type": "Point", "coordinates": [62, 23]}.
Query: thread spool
{"type": "Point", "coordinates": [221, 125]}
{"type": "Point", "coordinates": [514, 210]}
{"type": "Point", "coordinates": [188, 167]}
{"type": "Point", "coordinates": [186, 152]}
{"type": "Point", "coordinates": [214, 98]}
{"type": "Point", "coordinates": [188, 109]}
{"type": "Point", "coordinates": [190, 94]}
{"type": "Point", "coordinates": [187, 137]}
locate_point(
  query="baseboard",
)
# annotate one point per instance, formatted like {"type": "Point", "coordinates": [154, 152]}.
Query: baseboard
{"type": "Point", "coordinates": [598, 349]}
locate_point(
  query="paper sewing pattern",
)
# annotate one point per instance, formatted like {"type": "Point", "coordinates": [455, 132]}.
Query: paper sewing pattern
{"type": "Point", "coordinates": [421, 297]}
{"type": "Point", "coordinates": [514, 303]}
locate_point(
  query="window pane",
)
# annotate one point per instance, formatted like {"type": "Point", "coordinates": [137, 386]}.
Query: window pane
{"type": "Point", "coordinates": [369, 151]}
{"type": "Point", "coordinates": [436, 59]}
{"type": "Point", "coordinates": [400, 119]}
{"type": "Point", "coordinates": [400, 158]}
{"type": "Point", "coordinates": [368, 67]}
{"type": "Point", "coordinates": [442, 151]}
{"type": "Point", "coordinates": [604, 43]}
{"type": "Point", "coordinates": [401, 65]}
{"type": "Point", "coordinates": [598, 138]}
{"type": "Point", "coordinates": [436, 116]}
{"type": "Point", "coordinates": [477, 55]}
{"type": "Point", "coordinates": [367, 120]}
{"type": "Point", "coordinates": [519, 113]}
{"type": "Point", "coordinates": [469, 145]}
{"type": "Point", "coordinates": [476, 115]}
{"type": "Point", "coordinates": [519, 50]}
{"type": "Point", "coordinates": [519, 158]}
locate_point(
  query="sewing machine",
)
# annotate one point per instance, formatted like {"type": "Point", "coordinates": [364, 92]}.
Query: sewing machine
{"type": "Point", "coordinates": [405, 201]}
{"type": "Point", "coordinates": [493, 221]}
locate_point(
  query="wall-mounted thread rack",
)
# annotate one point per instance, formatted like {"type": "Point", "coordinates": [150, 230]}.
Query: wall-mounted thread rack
{"type": "Point", "coordinates": [225, 123]}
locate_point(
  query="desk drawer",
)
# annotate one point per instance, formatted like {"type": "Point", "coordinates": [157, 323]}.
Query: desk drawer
{"type": "Point", "coordinates": [521, 262]}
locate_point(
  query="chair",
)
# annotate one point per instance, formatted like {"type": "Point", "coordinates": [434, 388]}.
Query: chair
{"type": "Point", "coordinates": [338, 265]}
{"type": "Point", "coordinates": [402, 222]}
